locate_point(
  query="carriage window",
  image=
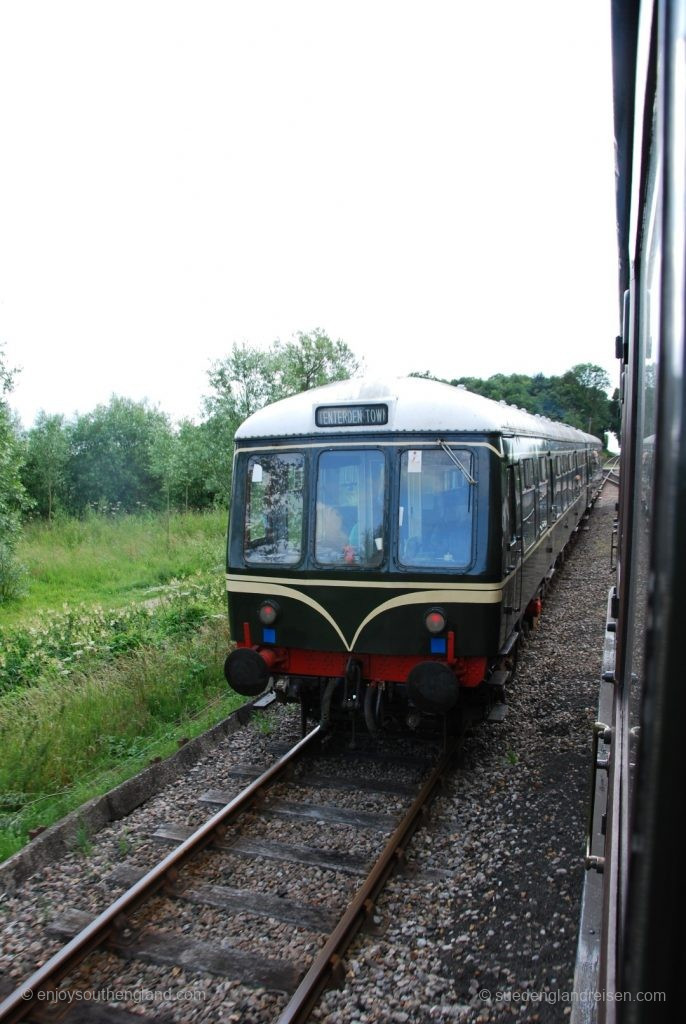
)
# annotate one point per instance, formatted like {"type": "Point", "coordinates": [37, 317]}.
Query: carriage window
{"type": "Point", "coordinates": [513, 509]}
{"type": "Point", "coordinates": [350, 508]}
{"type": "Point", "coordinates": [274, 509]}
{"type": "Point", "coordinates": [436, 511]}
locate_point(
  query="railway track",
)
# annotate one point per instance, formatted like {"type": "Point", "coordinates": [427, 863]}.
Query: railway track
{"type": "Point", "coordinates": [58, 989]}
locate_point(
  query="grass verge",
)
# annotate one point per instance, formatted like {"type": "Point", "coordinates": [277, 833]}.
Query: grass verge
{"type": "Point", "coordinates": [65, 740]}
{"type": "Point", "coordinates": [95, 681]}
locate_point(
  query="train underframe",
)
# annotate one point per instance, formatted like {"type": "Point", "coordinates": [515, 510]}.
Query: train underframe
{"type": "Point", "coordinates": [382, 692]}
{"type": "Point", "coordinates": [430, 700]}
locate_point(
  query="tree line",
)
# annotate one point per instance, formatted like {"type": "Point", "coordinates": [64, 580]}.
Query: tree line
{"type": "Point", "coordinates": [578, 397]}
{"type": "Point", "coordinates": [128, 456]}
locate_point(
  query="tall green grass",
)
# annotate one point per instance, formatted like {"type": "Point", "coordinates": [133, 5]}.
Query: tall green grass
{"type": "Point", "coordinates": [113, 560]}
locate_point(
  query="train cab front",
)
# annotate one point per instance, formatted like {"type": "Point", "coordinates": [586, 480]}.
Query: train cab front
{"type": "Point", "coordinates": [356, 579]}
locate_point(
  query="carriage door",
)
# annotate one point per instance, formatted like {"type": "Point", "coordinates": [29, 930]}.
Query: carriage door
{"type": "Point", "coordinates": [543, 494]}
{"type": "Point", "coordinates": [512, 540]}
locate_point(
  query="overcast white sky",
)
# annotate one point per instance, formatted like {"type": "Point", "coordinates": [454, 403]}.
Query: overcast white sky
{"type": "Point", "coordinates": [431, 182]}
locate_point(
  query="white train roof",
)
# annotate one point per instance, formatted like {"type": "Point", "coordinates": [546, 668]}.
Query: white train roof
{"type": "Point", "coordinates": [415, 405]}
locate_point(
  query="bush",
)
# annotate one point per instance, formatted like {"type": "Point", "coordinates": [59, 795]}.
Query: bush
{"type": "Point", "coordinates": [13, 578]}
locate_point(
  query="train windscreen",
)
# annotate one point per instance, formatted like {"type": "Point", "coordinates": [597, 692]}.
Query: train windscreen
{"type": "Point", "coordinates": [350, 508]}
{"type": "Point", "coordinates": [436, 513]}
{"type": "Point", "coordinates": [273, 532]}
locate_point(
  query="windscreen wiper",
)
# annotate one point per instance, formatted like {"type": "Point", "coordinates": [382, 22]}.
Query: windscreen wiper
{"type": "Point", "coordinates": [453, 458]}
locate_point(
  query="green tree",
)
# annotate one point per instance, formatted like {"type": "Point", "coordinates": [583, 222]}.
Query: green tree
{"type": "Point", "coordinates": [217, 434]}
{"type": "Point", "coordinates": [191, 465]}
{"type": "Point", "coordinates": [111, 464]}
{"type": "Point", "coordinates": [242, 383]}
{"type": "Point", "coordinates": [591, 400]}
{"type": "Point", "coordinates": [47, 457]}
{"type": "Point", "coordinates": [312, 360]}
{"type": "Point", "coordinates": [13, 498]}
{"type": "Point", "coordinates": [180, 458]}
{"type": "Point", "coordinates": [249, 378]}
{"type": "Point", "coordinates": [162, 460]}
{"type": "Point", "coordinates": [579, 397]}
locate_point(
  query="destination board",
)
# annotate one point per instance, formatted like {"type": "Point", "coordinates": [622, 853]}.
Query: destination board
{"type": "Point", "coordinates": [351, 415]}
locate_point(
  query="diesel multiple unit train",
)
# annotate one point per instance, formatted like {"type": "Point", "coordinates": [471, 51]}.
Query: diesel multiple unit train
{"type": "Point", "coordinates": [632, 953]}
{"type": "Point", "coordinates": [389, 540]}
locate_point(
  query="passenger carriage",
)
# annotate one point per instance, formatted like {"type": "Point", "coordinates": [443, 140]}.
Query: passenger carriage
{"type": "Point", "coordinates": [389, 539]}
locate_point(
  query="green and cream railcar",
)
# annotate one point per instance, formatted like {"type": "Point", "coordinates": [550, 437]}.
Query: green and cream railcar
{"type": "Point", "coordinates": [389, 538]}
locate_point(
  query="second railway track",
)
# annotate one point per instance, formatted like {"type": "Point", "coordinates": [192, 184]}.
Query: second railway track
{"type": "Point", "coordinates": [152, 921]}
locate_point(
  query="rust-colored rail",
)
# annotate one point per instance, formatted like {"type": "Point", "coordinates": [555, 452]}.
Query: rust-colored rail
{"type": "Point", "coordinates": [25, 999]}
{"type": "Point", "coordinates": [327, 965]}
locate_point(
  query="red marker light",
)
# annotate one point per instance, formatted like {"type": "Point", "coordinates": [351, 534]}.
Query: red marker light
{"type": "Point", "coordinates": [435, 621]}
{"type": "Point", "coordinates": [268, 612]}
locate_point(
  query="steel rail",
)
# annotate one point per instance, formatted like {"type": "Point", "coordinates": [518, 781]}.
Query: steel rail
{"type": "Point", "coordinates": [328, 964]}
{"type": "Point", "coordinates": [25, 999]}
{"type": "Point", "coordinates": [610, 470]}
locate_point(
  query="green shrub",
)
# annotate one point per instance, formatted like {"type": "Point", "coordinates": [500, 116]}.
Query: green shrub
{"type": "Point", "coordinates": [58, 643]}
{"type": "Point", "coordinates": [13, 578]}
